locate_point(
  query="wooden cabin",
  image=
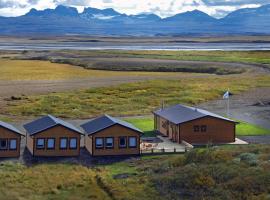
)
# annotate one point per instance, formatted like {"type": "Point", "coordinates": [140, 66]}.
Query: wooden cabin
{"type": "Point", "coordinates": [193, 125]}
{"type": "Point", "coordinates": [108, 136]}
{"type": "Point", "coordinates": [10, 141]}
{"type": "Point", "coordinates": [50, 136]}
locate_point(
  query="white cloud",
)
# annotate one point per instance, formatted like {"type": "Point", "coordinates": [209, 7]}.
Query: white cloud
{"type": "Point", "coordinates": [163, 8]}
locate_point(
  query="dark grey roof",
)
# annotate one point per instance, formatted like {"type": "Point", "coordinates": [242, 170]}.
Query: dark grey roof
{"type": "Point", "coordinates": [104, 122]}
{"type": "Point", "coordinates": [10, 127]}
{"type": "Point", "coordinates": [47, 122]}
{"type": "Point", "coordinates": [179, 114]}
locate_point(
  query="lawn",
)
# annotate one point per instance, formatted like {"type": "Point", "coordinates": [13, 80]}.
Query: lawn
{"type": "Point", "coordinates": [45, 70]}
{"type": "Point", "coordinates": [242, 129]}
{"type": "Point", "coordinates": [133, 98]}
{"type": "Point", "coordinates": [238, 172]}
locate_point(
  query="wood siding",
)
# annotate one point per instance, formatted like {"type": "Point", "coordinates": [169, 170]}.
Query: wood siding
{"type": "Point", "coordinates": [218, 131]}
{"type": "Point", "coordinates": [115, 131]}
{"type": "Point", "coordinates": [7, 134]}
{"type": "Point", "coordinates": [56, 132]}
{"type": "Point", "coordinates": [161, 125]}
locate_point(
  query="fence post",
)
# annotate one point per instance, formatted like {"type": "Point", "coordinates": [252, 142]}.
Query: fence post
{"type": "Point", "coordinates": [174, 150]}
{"type": "Point", "coordinates": [152, 150]}
{"type": "Point", "coordinates": [185, 149]}
{"type": "Point", "coordinates": [163, 150]}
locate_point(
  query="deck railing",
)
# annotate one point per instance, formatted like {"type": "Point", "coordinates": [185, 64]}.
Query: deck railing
{"type": "Point", "coordinates": [165, 150]}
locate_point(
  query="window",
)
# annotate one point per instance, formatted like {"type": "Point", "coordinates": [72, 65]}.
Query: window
{"type": "Point", "coordinates": [63, 143]}
{"type": "Point", "coordinates": [40, 143]}
{"type": "Point", "coordinates": [3, 144]}
{"type": "Point", "coordinates": [196, 128]}
{"type": "Point", "coordinates": [73, 143]}
{"type": "Point", "coordinates": [122, 142]}
{"type": "Point", "coordinates": [51, 143]}
{"type": "Point", "coordinates": [203, 128]}
{"type": "Point", "coordinates": [99, 143]}
{"type": "Point", "coordinates": [132, 142]}
{"type": "Point", "coordinates": [109, 142]}
{"type": "Point", "coordinates": [13, 144]}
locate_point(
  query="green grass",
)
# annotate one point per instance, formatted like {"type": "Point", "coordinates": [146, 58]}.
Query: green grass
{"type": "Point", "coordinates": [133, 98]}
{"type": "Point", "coordinates": [242, 129]}
{"type": "Point", "coordinates": [245, 129]}
{"type": "Point", "coordinates": [238, 172]}
{"type": "Point", "coordinates": [145, 124]}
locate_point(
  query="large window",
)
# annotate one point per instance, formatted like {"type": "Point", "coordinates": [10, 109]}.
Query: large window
{"type": "Point", "coordinates": [51, 143]}
{"type": "Point", "coordinates": [99, 143]}
{"type": "Point", "coordinates": [63, 143]}
{"type": "Point", "coordinates": [109, 142]}
{"type": "Point", "coordinates": [13, 144]}
{"type": "Point", "coordinates": [122, 142]}
{"type": "Point", "coordinates": [73, 143]}
{"type": "Point", "coordinates": [132, 142]}
{"type": "Point", "coordinates": [3, 144]}
{"type": "Point", "coordinates": [40, 144]}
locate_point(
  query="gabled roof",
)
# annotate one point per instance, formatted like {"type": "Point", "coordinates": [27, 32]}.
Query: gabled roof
{"type": "Point", "coordinates": [104, 122]}
{"type": "Point", "coordinates": [179, 114]}
{"type": "Point", "coordinates": [10, 127]}
{"type": "Point", "coordinates": [47, 122]}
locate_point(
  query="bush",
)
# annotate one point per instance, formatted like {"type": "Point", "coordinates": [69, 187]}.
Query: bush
{"type": "Point", "coordinates": [249, 158]}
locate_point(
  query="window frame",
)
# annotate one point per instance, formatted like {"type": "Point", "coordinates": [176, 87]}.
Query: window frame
{"type": "Point", "coordinates": [4, 149]}
{"type": "Point", "coordinates": [9, 142]}
{"type": "Point", "coordinates": [44, 143]}
{"type": "Point", "coordinates": [70, 139]}
{"type": "Point", "coordinates": [110, 147]}
{"type": "Point", "coordinates": [132, 147]}
{"type": "Point", "coordinates": [196, 128]}
{"type": "Point", "coordinates": [47, 143]}
{"type": "Point", "coordinates": [203, 128]}
{"type": "Point", "coordinates": [67, 143]}
{"type": "Point", "coordinates": [119, 144]}
{"type": "Point", "coordinates": [99, 138]}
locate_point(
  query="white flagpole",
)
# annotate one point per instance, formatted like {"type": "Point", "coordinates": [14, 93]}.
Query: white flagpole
{"type": "Point", "coordinates": [228, 104]}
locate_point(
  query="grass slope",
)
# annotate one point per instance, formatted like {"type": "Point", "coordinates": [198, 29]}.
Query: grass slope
{"type": "Point", "coordinates": [238, 172]}
{"type": "Point", "coordinates": [133, 98]}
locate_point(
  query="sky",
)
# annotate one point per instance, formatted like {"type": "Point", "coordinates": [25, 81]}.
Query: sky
{"type": "Point", "coordinates": [163, 8]}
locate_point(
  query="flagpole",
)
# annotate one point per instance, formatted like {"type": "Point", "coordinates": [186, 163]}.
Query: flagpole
{"type": "Point", "coordinates": [228, 104]}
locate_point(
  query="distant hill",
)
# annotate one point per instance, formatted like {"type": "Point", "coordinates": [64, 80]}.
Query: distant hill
{"type": "Point", "coordinates": [92, 21]}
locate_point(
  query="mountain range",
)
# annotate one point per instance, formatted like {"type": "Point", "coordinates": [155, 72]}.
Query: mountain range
{"type": "Point", "coordinates": [92, 21]}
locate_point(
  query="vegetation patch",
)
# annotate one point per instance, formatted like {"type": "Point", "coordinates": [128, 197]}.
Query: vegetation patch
{"type": "Point", "coordinates": [234, 172]}
{"type": "Point", "coordinates": [133, 98]}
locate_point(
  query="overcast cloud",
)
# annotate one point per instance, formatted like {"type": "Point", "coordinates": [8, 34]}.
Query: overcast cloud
{"type": "Point", "coordinates": [163, 8]}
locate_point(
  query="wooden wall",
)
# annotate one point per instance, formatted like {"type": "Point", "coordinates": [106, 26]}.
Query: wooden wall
{"type": "Point", "coordinates": [56, 132]}
{"type": "Point", "coordinates": [115, 131]}
{"type": "Point", "coordinates": [7, 134]}
{"type": "Point", "coordinates": [218, 131]}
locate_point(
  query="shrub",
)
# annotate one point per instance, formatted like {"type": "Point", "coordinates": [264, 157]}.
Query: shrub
{"type": "Point", "coordinates": [249, 158]}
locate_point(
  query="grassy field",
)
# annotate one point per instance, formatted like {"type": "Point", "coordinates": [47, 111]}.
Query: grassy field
{"type": "Point", "coordinates": [122, 60]}
{"type": "Point", "coordinates": [260, 57]}
{"type": "Point", "coordinates": [238, 172]}
{"type": "Point", "coordinates": [242, 129]}
{"type": "Point", "coordinates": [133, 98]}
{"type": "Point", "coordinates": [45, 70]}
